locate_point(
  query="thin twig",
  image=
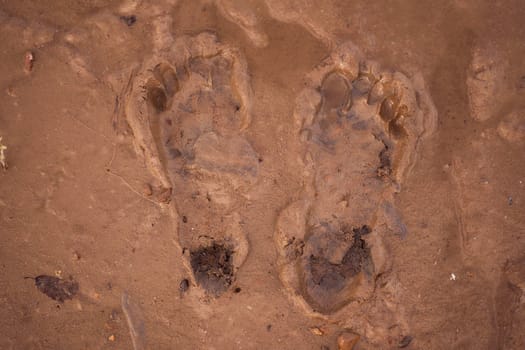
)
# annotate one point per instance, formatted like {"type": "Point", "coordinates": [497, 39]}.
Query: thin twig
{"type": "Point", "coordinates": [125, 182]}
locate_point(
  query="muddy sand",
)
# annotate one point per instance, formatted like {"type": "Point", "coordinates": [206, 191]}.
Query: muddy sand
{"type": "Point", "coordinates": [262, 174]}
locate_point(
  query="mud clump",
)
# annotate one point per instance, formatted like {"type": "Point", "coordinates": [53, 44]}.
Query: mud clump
{"type": "Point", "coordinates": [213, 267]}
{"type": "Point", "coordinates": [333, 276]}
{"type": "Point", "coordinates": [333, 265]}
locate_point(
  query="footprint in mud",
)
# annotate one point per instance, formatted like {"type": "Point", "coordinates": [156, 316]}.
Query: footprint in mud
{"type": "Point", "coordinates": [510, 308]}
{"type": "Point", "coordinates": [188, 110]}
{"type": "Point", "coordinates": [486, 81]}
{"type": "Point", "coordinates": [360, 127]}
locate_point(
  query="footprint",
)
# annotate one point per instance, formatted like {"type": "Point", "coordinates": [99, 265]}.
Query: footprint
{"type": "Point", "coordinates": [188, 109]}
{"type": "Point", "coordinates": [361, 127]}
{"type": "Point", "coordinates": [486, 81]}
{"type": "Point", "coordinates": [510, 306]}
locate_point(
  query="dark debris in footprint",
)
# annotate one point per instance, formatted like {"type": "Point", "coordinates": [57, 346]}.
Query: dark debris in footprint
{"type": "Point", "coordinates": [358, 256]}
{"type": "Point", "coordinates": [56, 288]}
{"type": "Point", "coordinates": [331, 276]}
{"type": "Point", "coordinates": [384, 170]}
{"type": "Point", "coordinates": [157, 98]}
{"type": "Point", "coordinates": [213, 267]}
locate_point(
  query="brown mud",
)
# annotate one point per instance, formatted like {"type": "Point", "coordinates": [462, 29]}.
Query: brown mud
{"type": "Point", "coordinates": [262, 174]}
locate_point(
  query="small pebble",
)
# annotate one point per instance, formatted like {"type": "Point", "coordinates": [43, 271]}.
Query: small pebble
{"type": "Point", "coordinates": [29, 58]}
{"type": "Point", "coordinates": [111, 338]}
{"type": "Point", "coordinates": [316, 331]}
{"type": "Point", "coordinates": [184, 285]}
{"type": "Point", "coordinates": [11, 91]}
{"type": "Point", "coordinates": [347, 341]}
{"type": "Point", "coordinates": [129, 20]}
{"type": "Point", "coordinates": [147, 190]}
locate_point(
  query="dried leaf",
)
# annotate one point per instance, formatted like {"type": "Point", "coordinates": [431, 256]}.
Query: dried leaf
{"type": "Point", "coordinates": [407, 339]}
{"type": "Point", "coordinates": [56, 288]}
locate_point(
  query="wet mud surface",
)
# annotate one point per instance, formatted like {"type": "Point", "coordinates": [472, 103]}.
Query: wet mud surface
{"type": "Point", "coordinates": [224, 174]}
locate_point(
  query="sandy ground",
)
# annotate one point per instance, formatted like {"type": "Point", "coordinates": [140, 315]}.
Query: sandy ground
{"type": "Point", "coordinates": [262, 174]}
